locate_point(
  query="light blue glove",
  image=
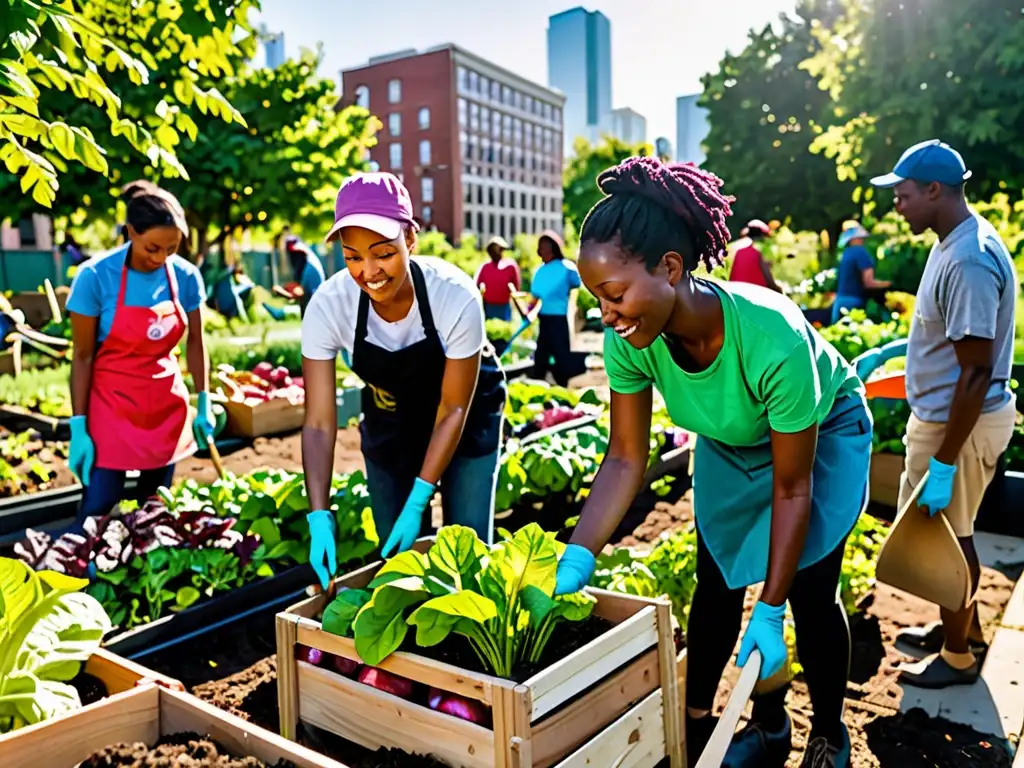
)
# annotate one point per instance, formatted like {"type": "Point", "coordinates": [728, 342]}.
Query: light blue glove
{"type": "Point", "coordinates": [938, 488]}
{"type": "Point", "coordinates": [764, 632]}
{"type": "Point", "coordinates": [321, 544]}
{"type": "Point", "coordinates": [202, 425]}
{"type": "Point", "coordinates": [82, 453]}
{"type": "Point", "coordinates": [575, 567]}
{"type": "Point", "coordinates": [407, 526]}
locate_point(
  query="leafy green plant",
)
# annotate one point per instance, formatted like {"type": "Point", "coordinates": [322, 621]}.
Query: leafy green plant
{"type": "Point", "coordinates": [47, 629]}
{"type": "Point", "coordinates": [499, 598]}
{"type": "Point", "coordinates": [855, 333]}
{"type": "Point", "coordinates": [44, 390]}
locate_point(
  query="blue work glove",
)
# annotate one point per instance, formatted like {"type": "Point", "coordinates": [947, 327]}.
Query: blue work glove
{"type": "Point", "coordinates": [407, 526]}
{"type": "Point", "coordinates": [202, 425]}
{"type": "Point", "coordinates": [82, 453]}
{"type": "Point", "coordinates": [938, 488]}
{"type": "Point", "coordinates": [575, 567]}
{"type": "Point", "coordinates": [764, 632]}
{"type": "Point", "coordinates": [321, 544]}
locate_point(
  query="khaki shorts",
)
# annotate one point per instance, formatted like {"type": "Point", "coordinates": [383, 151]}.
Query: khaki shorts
{"type": "Point", "coordinates": [975, 467]}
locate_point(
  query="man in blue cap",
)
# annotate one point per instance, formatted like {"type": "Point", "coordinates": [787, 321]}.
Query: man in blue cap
{"type": "Point", "coordinates": [959, 354]}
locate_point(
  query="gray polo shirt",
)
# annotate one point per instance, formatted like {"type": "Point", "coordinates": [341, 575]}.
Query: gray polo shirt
{"type": "Point", "coordinates": [969, 288]}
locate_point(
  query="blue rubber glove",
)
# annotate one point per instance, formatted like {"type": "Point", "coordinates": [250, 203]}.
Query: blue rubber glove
{"type": "Point", "coordinates": [82, 453]}
{"type": "Point", "coordinates": [202, 425]}
{"type": "Point", "coordinates": [938, 488]}
{"type": "Point", "coordinates": [575, 567]}
{"type": "Point", "coordinates": [322, 545]}
{"type": "Point", "coordinates": [407, 526]}
{"type": "Point", "coordinates": [764, 632]}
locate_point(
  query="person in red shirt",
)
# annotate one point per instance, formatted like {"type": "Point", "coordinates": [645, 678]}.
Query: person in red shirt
{"type": "Point", "coordinates": [497, 278]}
{"type": "Point", "coordinates": [748, 265]}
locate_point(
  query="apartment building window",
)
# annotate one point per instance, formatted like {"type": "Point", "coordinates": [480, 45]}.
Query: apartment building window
{"type": "Point", "coordinates": [474, 117]}
{"type": "Point", "coordinates": [495, 90]}
{"type": "Point", "coordinates": [425, 152]}
{"type": "Point", "coordinates": [427, 189]}
{"type": "Point", "coordinates": [394, 91]}
{"type": "Point", "coordinates": [479, 223]}
{"type": "Point", "coordinates": [424, 118]}
{"type": "Point", "coordinates": [395, 124]}
{"type": "Point", "coordinates": [463, 112]}
{"type": "Point", "coordinates": [428, 214]}
{"type": "Point", "coordinates": [468, 221]}
{"type": "Point", "coordinates": [463, 76]}
{"type": "Point", "coordinates": [395, 155]}
{"type": "Point", "coordinates": [363, 96]}
{"type": "Point", "coordinates": [474, 82]}
{"type": "Point", "coordinates": [485, 85]}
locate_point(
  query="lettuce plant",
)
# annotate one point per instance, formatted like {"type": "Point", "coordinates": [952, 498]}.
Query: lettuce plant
{"type": "Point", "coordinates": [47, 629]}
{"type": "Point", "coordinates": [499, 598]}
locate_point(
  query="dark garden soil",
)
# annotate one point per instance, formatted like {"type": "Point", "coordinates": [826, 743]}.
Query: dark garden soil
{"type": "Point", "coordinates": [90, 688]}
{"type": "Point", "coordinates": [179, 750]}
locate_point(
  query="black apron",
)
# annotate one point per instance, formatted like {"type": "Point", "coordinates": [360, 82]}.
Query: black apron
{"type": "Point", "coordinates": [403, 392]}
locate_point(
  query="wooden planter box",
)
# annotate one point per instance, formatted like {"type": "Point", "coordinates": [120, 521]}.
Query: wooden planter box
{"type": "Point", "coordinates": [268, 418]}
{"type": "Point", "coordinates": [145, 714]}
{"type": "Point", "coordinates": [886, 471]}
{"type": "Point", "coordinates": [614, 702]}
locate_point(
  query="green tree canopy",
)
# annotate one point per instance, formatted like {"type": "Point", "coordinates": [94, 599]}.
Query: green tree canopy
{"type": "Point", "coordinates": [58, 61]}
{"type": "Point", "coordinates": [580, 192]}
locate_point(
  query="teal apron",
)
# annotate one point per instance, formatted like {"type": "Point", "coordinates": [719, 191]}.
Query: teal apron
{"type": "Point", "coordinates": [732, 493]}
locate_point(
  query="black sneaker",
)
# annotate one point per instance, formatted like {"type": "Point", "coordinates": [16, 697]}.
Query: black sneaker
{"type": "Point", "coordinates": [821, 754]}
{"type": "Point", "coordinates": [937, 673]}
{"type": "Point", "coordinates": [926, 640]}
{"type": "Point", "coordinates": [755, 747]}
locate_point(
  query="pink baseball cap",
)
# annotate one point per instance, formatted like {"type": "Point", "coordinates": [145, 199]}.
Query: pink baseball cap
{"type": "Point", "coordinates": [378, 202]}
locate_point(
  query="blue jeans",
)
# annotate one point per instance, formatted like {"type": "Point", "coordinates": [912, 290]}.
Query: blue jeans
{"type": "Point", "coordinates": [498, 312]}
{"type": "Point", "coordinates": [467, 495]}
{"type": "Point", "coordinates": [106, 489]}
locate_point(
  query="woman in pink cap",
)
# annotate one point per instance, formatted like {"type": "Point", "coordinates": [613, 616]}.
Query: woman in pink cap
{"type": "Point", "coordinates": [412, 328]}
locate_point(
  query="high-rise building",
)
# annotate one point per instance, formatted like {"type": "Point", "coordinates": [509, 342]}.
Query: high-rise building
{"type": "Point", "coordinates": [580, 66]}
{"type": "Point", "coordinates": [479, 147]}
{"type": "Point", "coordinates": [663, 148]}
{"type": "Point", "coordinates": [692, 128]}
{"type": "Point", "coordinates": [273, 45]}
{"type": "Point", "coordinates": [629, 125]}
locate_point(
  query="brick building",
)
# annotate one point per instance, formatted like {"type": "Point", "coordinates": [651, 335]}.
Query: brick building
{"type": "Point", "coordinates": [479, 147]}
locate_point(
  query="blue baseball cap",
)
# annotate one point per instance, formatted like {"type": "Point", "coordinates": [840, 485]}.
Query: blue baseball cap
{"type": "Point", "coordinates": [927, 162]}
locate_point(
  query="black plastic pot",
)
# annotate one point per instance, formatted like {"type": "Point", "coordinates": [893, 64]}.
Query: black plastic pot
{"type": "Point", "coordinates": [282, 589]}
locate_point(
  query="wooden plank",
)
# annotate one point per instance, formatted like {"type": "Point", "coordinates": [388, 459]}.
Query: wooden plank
{"type": "Point", "coordinates": [376, 719]}
{"type": "Point", "coordinates": [181, 713]}
{"type": "Point", "coordinates": [65, 741]}
{"type": "Point", "coordinates": [411, 665]}
{"type": "Point", "coordinates": [287, 682]}
{"type": "Point", "coordinates": [501, 713]}
{"type": "Point", "coordinates": [558, 735]}
{"type": "Point", "coordinates": [681, 660]}
{"type": "Point", "coordinates": [582, 668]}
{"type": "Point", "coordinates": [635, 740]}
{"type": "Point", "coordinates": [669, 684]}
{"type": "Point", "coordinates": [119, 674]}
{"type": "Point", "coordinates": [616, 607]}
{"type": "Point", "coordinates": [521, 757]}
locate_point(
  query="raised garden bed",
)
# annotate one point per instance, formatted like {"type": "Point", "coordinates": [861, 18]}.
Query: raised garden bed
{"type": "Point", "coordinates": [30, 464]}
{"type": "Point", "coordinates": [562, 714]}
{"type": "Point", "coordinates": [144, 716]}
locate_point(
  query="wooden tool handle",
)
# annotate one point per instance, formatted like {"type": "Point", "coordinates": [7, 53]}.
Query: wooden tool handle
{"type": "Point", "coordinates": [721, 737]}
{"type": "Point", "coordinates": [215, 458]}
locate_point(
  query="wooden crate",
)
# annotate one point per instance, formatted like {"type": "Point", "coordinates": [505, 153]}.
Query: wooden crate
{"type": "Point", "coordinates": [886, 471]}
{"type": "Point", "coordinates": [268, 418]}
{"type": "Point", "coordinates": [614, 702]}
{"type": "Point", "coordinates": [145, 714]}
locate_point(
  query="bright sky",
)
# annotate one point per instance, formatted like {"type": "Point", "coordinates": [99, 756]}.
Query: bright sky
{"type": "Point", "coordinates": [660, 48]}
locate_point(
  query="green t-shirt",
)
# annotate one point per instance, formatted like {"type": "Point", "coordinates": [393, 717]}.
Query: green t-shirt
{"type": "Point", "coordinates": [774, 371]}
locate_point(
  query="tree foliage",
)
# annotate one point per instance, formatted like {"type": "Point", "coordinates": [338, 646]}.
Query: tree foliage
{"type": "Point", "coordinates": [59, 61]}
{"type": "Point", "coordinates": [764, 112]}
{"type": "Point", "coordinates": [580, 192]}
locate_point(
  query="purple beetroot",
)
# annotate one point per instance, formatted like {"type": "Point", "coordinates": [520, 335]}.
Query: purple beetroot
{"type": "Point", "coordinates": [385, 681]}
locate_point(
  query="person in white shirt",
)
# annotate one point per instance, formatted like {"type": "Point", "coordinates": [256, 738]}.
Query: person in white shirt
{"type": "Point", "coordinates": [412, 329]}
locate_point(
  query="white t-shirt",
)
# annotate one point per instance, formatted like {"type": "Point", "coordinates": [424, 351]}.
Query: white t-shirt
{"type": "Point", "coordinates": [329, 325]}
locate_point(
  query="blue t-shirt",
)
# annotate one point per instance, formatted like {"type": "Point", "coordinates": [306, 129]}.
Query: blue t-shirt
{"type": "Point", "coordinates": [855, 259]}
{"type": "Point", "coordinates": [552, 284]}
{"type": "Point", "coordinates": [98, 281]}
{"type": "Point", "coordinates": [312, 274]}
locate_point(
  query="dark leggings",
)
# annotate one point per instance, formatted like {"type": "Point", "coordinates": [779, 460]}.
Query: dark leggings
{"type": "Point", "coordinates": [106, 489]}
{"type": "Point", "coordinates": [822, 636]}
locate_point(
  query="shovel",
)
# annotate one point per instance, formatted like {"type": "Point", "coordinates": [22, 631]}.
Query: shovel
{"type": "Point", "coordinates": [922, 556]}
{"type": "Point", "coordinates": [721, 737]}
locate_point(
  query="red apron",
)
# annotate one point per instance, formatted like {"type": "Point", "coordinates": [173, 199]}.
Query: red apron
{"type": "Point", "coordinates": [138, 407]}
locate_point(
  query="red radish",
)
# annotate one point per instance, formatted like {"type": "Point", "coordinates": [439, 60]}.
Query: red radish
{"type": "Point", "coordinates": [297, 382]}
{"type": "Point", "coordinates": [434, 696]}
{"type": "Point", "coordinates": [263, 370]}
{"type": "Point", "coordinates": [463, 708]}
{"type": "Point", "coordinates": [344, 666]}
{"type": "Point", "coordinates": [312, 656]}
{"type": "Point", "coordinates": [385, 681]}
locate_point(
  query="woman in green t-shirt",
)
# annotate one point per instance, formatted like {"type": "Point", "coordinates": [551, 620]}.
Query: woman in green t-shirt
{"type": "Point", "coordinates": [782, 455]}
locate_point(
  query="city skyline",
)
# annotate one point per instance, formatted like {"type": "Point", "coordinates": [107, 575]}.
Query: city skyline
{"type": "Point", "coordinates": [659, 48]}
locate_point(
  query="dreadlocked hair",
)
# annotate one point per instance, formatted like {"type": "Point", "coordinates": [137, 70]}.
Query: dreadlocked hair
{"type": "Point", "coordinates": [654, 208]}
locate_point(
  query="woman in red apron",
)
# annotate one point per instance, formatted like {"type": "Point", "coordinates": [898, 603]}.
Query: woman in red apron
{"type": "Point", "coordinates": [129, 310]}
